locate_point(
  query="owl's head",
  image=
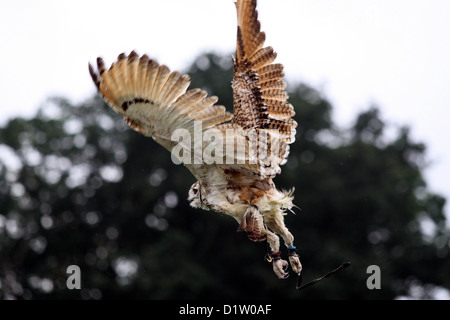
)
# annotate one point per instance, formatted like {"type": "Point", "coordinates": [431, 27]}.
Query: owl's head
{"type": "Point", "coordinates": [195, 196]}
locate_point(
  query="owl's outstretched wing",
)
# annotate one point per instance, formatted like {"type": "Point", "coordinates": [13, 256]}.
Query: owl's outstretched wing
{"type": "Point", "coordinates": [260, 100]}
{"type": "Point", "coordinates": [154, 102]}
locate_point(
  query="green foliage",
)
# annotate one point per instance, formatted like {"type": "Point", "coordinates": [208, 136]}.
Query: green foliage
{"type": "Point", "coordinates": [77, 186]}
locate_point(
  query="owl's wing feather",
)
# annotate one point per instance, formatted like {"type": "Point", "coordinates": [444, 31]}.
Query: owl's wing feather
{"type": "Point", "coordinates": [260, 100]}
{"type": "Point", "coordinates": [154, 102]}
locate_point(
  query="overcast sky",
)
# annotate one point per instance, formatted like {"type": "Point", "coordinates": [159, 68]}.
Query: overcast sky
{"type": "Point", "coordinates": [394, 53]}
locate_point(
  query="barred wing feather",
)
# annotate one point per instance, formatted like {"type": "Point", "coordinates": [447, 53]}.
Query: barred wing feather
{"type": "Point", "coordinates": [154, 102]}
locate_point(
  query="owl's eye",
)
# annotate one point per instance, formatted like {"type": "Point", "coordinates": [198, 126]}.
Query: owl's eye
{"type": "Point", "coordinates": [195, 191]}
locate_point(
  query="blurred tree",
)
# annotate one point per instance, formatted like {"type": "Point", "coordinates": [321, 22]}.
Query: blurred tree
{"type": "Point", "coordinates": [78, 187]}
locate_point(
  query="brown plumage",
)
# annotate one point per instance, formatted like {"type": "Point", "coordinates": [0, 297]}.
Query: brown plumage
{"type": "Point", "coordinates": [258, 86]}
{"type": "Point", "coordinates": [246, 148]}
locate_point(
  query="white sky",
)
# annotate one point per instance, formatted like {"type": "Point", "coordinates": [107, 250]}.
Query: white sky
{"type": "Point", "coordinates": [395, 53]}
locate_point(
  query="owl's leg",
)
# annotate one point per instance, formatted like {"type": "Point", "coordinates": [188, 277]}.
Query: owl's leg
{"type": "Point", "coordinates": [276, 224]}
{"type": "Point", "coordinates": [253, 223]}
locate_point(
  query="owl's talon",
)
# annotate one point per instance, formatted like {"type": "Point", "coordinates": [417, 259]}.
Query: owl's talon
{"type": "Point", "coordinates": [294, 260]}
{"type": "Point", "coordinates": [279, 265]}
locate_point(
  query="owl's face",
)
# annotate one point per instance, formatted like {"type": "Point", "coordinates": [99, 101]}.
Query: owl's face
{"type": "Point", "coordinates": [195, 197]}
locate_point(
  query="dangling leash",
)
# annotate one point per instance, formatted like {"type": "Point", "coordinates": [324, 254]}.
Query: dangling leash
{"type": "Point", "coordinates": [313, 282]}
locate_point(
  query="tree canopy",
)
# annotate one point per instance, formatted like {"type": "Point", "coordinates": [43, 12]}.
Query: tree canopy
{"type": "Point", "coordinates": [78, 187]}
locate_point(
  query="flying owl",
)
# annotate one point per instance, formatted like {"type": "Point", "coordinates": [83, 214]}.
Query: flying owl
{"type": "Point", "coordinates": [235, 168]}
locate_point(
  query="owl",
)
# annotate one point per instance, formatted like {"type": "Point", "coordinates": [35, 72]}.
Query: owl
{"type": "Point", "coordinates": [234, 157]}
